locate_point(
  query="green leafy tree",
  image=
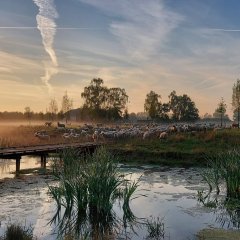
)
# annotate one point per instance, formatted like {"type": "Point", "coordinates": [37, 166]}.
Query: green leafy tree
{"type": "Point", "coordinates": [236, 100]}
{"type": "Point", "coordinates": [164, 113]}
{"type": "Point", "coordinates": [117, 100]}
{"type": "Point", "coordinates": [103, 102]}
{"type": "Point", "coordinates": [182, 107]}
{"type": "Point", "coordinates": [152, 104]}
{"type": "Point", "coordinates": [174, 105]}
{"type": "Point", "coordinates": [95, 94]}
{"type": "Point", "coordinates": [67, 104]}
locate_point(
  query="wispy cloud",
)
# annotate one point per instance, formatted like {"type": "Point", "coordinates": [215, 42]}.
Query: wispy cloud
{"type": "Point", "coordinates": [141, 28]}
{"type": "Point", "coordinates": [47, 27]}
{"type": "Point", "coordinates": [223, 30]}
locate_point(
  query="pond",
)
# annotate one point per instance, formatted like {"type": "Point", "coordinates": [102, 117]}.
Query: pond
{"type": "Point", "coordinates": [169, 193]}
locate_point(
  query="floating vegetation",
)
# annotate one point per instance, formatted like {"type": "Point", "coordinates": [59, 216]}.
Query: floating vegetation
{"type": "Point", "coordinates": [89, 186]}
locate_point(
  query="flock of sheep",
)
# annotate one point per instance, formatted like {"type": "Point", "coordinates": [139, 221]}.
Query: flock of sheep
{"type": "Point", "coordinates": [99, 132]}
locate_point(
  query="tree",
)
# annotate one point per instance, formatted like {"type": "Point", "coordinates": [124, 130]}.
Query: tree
{"type": "Point", "coordinates": [182, 107]}
{"type": "Point", "coordinates": [67, 104]}
{"type": "Point", "coordinates": [116, 100]}
{"type": "Point", "coordinates": [152, 104]}
{"type": "Point", "coordinates": [221, 109]}
{"type": "Point", "coordinates": [53, 108]}
{"type": "Point", "coordinates": [173, 105]}
{"type": "Point", "coordinates": [95, 94]}
{"type": "Point", "coordinates": [207, 116]}
{"type": "Point", "coordinates": [164, 113]}
{"type": "Point", "coordinates": [103, 102]}
{"type": "Point", "coordinates": [236, 99]}
{"type": "Point", "coordinates": [126, 114]}
{"type": "Point", "coordinates": [28, 113]}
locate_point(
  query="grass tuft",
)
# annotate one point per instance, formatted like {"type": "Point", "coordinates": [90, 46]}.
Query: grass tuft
{"type": "Point", "coordinates": [89, 185]}
{"type": "Point", "coordinates": [155, 228]}
{"type": "Point", "coordinates": [18, 232]}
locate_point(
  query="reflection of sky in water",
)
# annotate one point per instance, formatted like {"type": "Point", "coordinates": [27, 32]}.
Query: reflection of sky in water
{"type": "Point", "coordinates": [8, 166]}
{"type": "Point", "coordinates": [171, 194]}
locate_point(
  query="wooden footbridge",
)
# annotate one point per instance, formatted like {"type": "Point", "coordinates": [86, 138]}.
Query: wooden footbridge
{"type": "Point", "coordinates": [44, 150]}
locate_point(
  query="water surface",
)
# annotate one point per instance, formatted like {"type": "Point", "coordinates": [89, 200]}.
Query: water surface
{"type": "Point", "coordinates": [171, 194]}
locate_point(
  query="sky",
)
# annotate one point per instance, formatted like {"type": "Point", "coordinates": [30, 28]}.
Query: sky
{"type": "Point", "coordinates": [48, 47]}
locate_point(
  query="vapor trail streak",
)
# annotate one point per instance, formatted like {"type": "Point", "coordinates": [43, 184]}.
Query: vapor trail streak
{"type": "Point", "coordinates": [224, 30]}
{"type": "Point", "coordinates": [57, 28]}
{"type": "Point", "coordinates": [47, 27]}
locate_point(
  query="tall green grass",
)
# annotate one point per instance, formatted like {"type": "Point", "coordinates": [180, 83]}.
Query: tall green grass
{"type": "Point", "coordinates": [89, 186]}
{"type": "Point", "coordinates": [224, 167]}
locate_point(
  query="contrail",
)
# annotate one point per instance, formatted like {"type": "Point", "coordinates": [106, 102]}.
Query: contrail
{"type": "Point", "coordinates": [56, 28]}
{"type": "Point", "coordinates": [47, 27]}
{"type": "Point", "coordinates": [225, 30]}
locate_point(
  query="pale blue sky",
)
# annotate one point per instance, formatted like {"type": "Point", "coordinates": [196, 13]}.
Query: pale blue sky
{"type": "Point", "coordinates": [191, 46]}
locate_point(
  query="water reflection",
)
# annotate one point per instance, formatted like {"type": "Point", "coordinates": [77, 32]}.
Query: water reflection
{"type": "Point", "coordinates": [171, 194]}
{"type": "Point", "coordinates": [227, 210]}
{"type": "Point", "coordinates": [8, 166]}
{"type": "Point", "coordinates": [4, 167]}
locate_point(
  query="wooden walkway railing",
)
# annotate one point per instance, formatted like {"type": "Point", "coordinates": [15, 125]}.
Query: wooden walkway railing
{"type": "Point", "coordinates": [43, 151]}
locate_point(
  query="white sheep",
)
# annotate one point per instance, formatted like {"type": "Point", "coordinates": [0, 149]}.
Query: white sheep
{"type": "Point", "coordinates": [163, 135]}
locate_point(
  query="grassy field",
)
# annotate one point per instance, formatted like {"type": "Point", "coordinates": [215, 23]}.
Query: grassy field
{"type": "Point", "coordinates": [14, 136]}
{"type": "Point", "coordinates": [181, 149]}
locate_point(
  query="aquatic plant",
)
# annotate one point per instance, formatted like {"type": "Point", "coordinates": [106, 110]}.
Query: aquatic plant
{"type": "Point", "coordinates": [15, 231]}
{"type": "Point", "coordinates": [155, 228]}
{"type": "Point", "coordinates": [223, 173]}
{"type": "Point", "coordinates": [89, 185]}
{"type": "Point", "coordinates": [229, 213]}
{"type": "Point", "coordinates": [212, 174]}
{"type": "Point", "coordinates": [224, 166]}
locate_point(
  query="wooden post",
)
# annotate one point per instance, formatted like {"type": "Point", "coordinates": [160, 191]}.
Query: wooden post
{"type": "Point", "coordinates": [43, 161]}
{"type": "Point", "coordinates": [18, 159]}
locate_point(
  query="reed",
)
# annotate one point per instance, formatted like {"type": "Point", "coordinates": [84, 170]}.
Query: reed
{"type": "Point", "coordinates": [89, 185]}
{"type": "Point", "coordinates": [155, 228]}
{"type": "Point", "coordinates": [224, 167]}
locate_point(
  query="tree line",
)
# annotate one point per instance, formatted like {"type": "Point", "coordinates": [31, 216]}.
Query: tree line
{"type": "Point", "coordinates": [178, 108]}
{"type": "Point", "coordinates": [103, 103]}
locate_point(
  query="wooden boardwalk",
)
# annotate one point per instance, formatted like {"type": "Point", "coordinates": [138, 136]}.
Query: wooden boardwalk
{"type": "Point", "coordinates": [44, 150]}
